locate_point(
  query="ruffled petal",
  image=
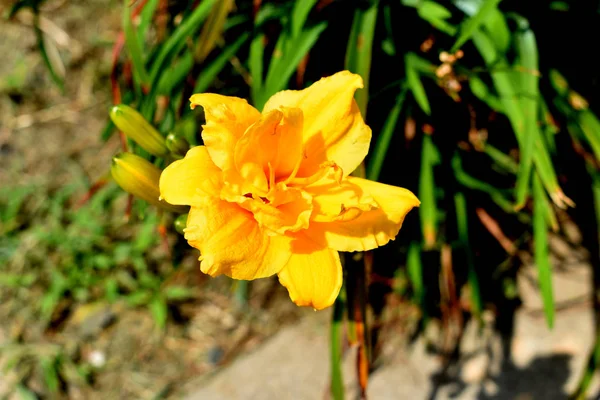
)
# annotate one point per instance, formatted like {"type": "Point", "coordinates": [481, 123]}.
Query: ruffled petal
{"type": "Point", "coordinates": [256, 149]}
{"type": "Point", "coordinates": [186, 181]}
{"type": "Point", "coordinates": [287, 210]}
{"type": "Point", "coordinates": [334, 129]}
{"type": "Point", "coordinates": [372, 224]}
{"type": "Point", "coordinates": [231, 242]}
{"type": "Point", "coordinates": [313, 275]}
{"type": "Point", "coordinates": [227, 118]}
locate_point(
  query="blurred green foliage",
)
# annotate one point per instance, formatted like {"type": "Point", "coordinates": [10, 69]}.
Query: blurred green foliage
{"type": "Point", "coordinates": [467, 106]}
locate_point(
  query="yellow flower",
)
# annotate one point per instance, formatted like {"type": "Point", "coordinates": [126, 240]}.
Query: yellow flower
{"type": "Point", "coordinates": [271, 193]}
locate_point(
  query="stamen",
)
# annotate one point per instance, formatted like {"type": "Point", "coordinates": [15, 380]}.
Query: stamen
{"type": "Point", "coordinates": [324, 169]}
{"type": "Point", "coordinates": [295, 170]}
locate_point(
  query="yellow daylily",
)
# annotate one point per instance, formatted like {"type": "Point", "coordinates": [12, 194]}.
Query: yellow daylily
{"type": "Point", "coordinates": [270, 193]}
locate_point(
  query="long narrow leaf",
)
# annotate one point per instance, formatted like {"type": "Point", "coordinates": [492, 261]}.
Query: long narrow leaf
{"type": "Point", "coordinates": [210, 72]}
{"type": "Point", "coordinates": [528, 55]}
{"type": "Point", "coordinates": [462, 224]}
{"type": "Point", "coordinates": [134, 47]}
{"type": "Point", "coordinates": [470, 26]}
{"type": "Point", "coordinates": [414, 83]}
{"type": "Point", "coordinates": [414, 267]}
{"type": "Point", "coordinates": [385, 136]}
{"type": "Point", "coordinates": [213, 28]}
{"type": "Point", "coordinates": [257, 53]}
{"type": "Point", "coordinates": [335, 345]}
{"type": "Point", "coordinates": [278, 78]}
{"type": "Point", "coordinates": [177, 41]}
{"type": "Point", "coordinates": [299, 14]}
{"type": "Point", "coordinates": [358, 52]}
{"type": "Point", "coordinates": [541, 254]}
{"type": "Point", "coordinates": [428, 208]}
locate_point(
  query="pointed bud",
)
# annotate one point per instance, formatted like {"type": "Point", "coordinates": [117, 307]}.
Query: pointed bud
{"type": "Point", "coordinates": [139, 177]}
{"type": "Point", "coordinates": [180, 223]}
{"type": "Point", "coordinates": [177, 145]}
{"type": "Point", "coordinates": [559, 82]}
{"type": "Point", "coordinates": [135, 126]}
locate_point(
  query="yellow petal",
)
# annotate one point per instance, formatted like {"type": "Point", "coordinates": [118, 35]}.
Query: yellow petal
{"type": "Point", "coordinates": [313, 275]}
{"type": "Point", "coordinates": [227, 118]}
{"type": "Point", "coordinates": [371, 228]}
{"type": "Point", "coordinates": [274, 143]}
{"type": "Point", "coordinates": [231, 242]}
{"type": "Point", "coordinates": [334, 129]}
{"type": "Point", "coordinates": [334, 200]}
{"type": "Point", "coordinates": [287, 210]}
{"type": "Point", "coordinates": [186, 181]}
{"type": "Point", "coordinates": [255, 150]}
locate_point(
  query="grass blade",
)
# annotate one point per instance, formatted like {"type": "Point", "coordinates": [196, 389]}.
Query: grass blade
{"type": "Point", "coordinates": [335, 346]}
{"type": "Point", "coordinates": [436, 15]}
{"type": "Point", "coordinates": [428, 208]}
{"type": "Point", "coordinates": [146, 16]}
{"type": "Point", "coordinates": [360, 46]}
{"type": "Point", "coordinates": [414, 268]}
{"type": "Point", "coordinates": [278, 77]}
{"type": "Point", "coordinates": [211, 71]}
{"type": "Point", "coordinates": [177, 41]}
{"type": "Point", "coordinates": [299, 14]}
{"type": "Point", "coordinates": [590, 127]}
{"type": "Point", "coordinates": [414, 82]}
{"type": "Point", "coordinates": [502, 75]}
{"type": "Point", "coordinates": [256, 61]}
{"type": "Point", "coordinates": [541, 254]}
{"type": "Point", "coordinates": [49, 53]}
{"type": "Point", "coordinates": [462, 224]}
{"type": "Point", "coordinates": [385, 136]}
{"type": "Point", "coordinates": [528, 55]}
{"type": "Point", "coordinates": [594, 358]}
{"type": "Point", "coordinates": [213, 29]}
{"type": "Point", "coordinates": [134, 47]}
{"type": "Point", "coordinates": [470, 26]}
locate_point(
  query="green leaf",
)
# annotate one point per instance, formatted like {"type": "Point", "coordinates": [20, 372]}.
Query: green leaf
{"type": "Point", "coordinates": [49, 53]}
{"type": "Point", "coordinates": [48, 366]}
{"type": "Point", "coordinates": [159, 311]}
{"type": "Point", "coordinates": [134, 47]}
{"type": "Point", "coordinates": [146, 16]}
{"type": "Point", "coordinates": [335, 346]}
{"type": "Point", "coordinates": [358, 52]}
{"type": "Point", "coordinates": [428, 208]}
{"type": "Point", "coordinates": [176, 73]}
{"type": "Point", "coordinates": [178, 293]}
{"type": "Point", "coordinates": [297, 48]}
{"type": "Point", "coordinates": [497, 28]}
{"type": "Point", "coordinates": [414, 267]}
{"type": "Point", "coordinates": [138, 298]}
{"type": "Point", "coordinates": [414, 82]}
{"type": "Point", "coordinates": [210, 72]}
{"type": "Point", "coordinates": [177, 40]}
{"type": "Point", "coordinates": [470, 26]}
{"type": "Point", "coordinates": [385, 136]}
{"type": "Point", "coordinates": [541, 254]}
{"type": "Point", "coordinates": [527, 52]}
{"type": "Point", "coordinates": [462, 224]}
{"type": "Point", "coordinates": [591, 129]}
{"type": "Point", "coordinates": [255, 64]}
{"type": "Point", "coordinates": [24, 393]}
{"type": "Point", "coordinates": [299, 14]}
{"type": "Point", "coordinates": [436, 15]}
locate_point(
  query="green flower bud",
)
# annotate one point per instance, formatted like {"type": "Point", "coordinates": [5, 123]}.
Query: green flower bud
{"type": "Point", "coordinates": [135, 126]}
{"type": "Point", "coordinates": [180, 223]}
{"type": "Point", "coordinates": [139, 177]}
{"type": "Point", "coordinates": [559, 82]}
{"type": "Point", "coordinates": [177, 145]}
